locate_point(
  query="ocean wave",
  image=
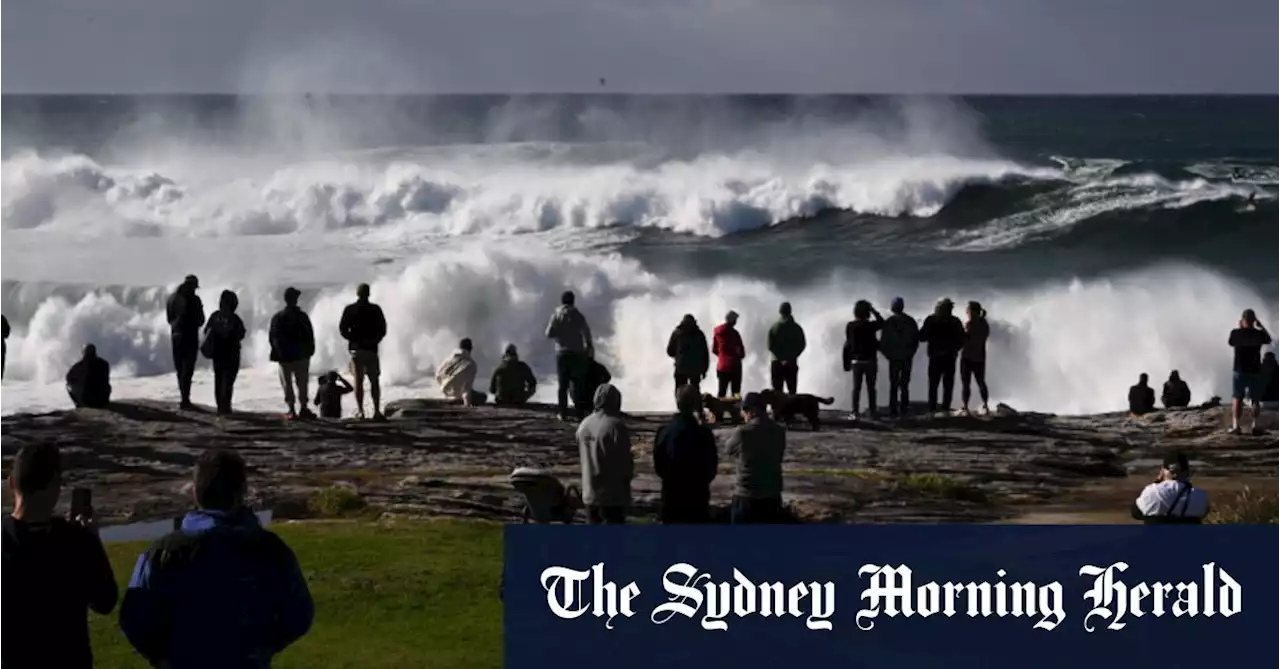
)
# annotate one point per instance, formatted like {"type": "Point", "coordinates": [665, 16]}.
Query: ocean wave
{"type": "Point", "coordinates": [1070, 347]}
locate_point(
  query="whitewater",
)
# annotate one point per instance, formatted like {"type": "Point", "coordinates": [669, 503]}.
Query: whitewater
{"type": "Point", "coordinates": [479, 239]}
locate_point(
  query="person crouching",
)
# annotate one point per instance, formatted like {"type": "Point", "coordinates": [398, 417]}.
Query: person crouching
{"type": "Point", "coordinates": [457, 375]}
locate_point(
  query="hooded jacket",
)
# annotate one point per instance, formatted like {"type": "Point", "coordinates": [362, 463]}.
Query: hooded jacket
{"type": "Point", "coordinates": [457, 375]}
{"type": "Point", "coordinates": [292, 338]}
{"type": "Point", "coordinates": [604, 448]}
{"type": "Point", "coordinates": [89, 380]}
{"type": "Point", "coordinates": [687, 346]}
{"type": "Point", "coordinates": [900, 338]}
{"type": "Point", "coordinates": [224, 331]}
{"type": "Point", "coordinates": [512, 379]}
{"type": "Point", "coordinates": [786, 339]}
{"type": "Point", "coordinates": [568, 327]}
{"type": "Point", "coordinates": [726, 345]}
{"type": "Point", "coordinates": [1176, 393]}
{"type": "Point", "coordinates": [220, 592]}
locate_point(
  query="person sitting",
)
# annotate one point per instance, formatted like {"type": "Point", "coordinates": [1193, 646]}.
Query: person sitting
{"type": "Point", "coordinates": [1270, 374]}
{"type": "Point", "coordinates": [329, 391]}
{"type": "Point", "coordinates": [1172, 498]}
{"type": "Point", "coordinates": [1176, 394]}
{"type": "Point", "coordinates": [1142, 398]}
{"type": "Point", "coordinates": [597, 375]}
{"type": "Point", "coordinates": [513, 382]}
{"type": "Point", "coordinates": [89, 381]}
{"type": "Point", "coordinates": [457, 375]}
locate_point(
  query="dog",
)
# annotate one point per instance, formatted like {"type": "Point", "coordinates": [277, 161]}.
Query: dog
{"type": "Point", "coordinates": [719, 407]}
{"type": "Point", "coordinates": [786, 407]}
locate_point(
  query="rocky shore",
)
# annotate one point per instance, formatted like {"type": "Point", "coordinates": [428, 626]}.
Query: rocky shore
{"type": "Point", "coordinates": [432, 459]}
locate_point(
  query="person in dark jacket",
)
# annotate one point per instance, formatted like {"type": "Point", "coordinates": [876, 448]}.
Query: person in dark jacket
{"type": "Point", "coordinates": [330, 388]}
{"type": "Point", "coordinates": [574, 353]}
{"type": "Point", "coordinates": [1142, 398]}
{"type": "Point", "coordinates": [945, 336]}
{"type": "Point", "coordinates": [186, 314]}
{"type": "Point", "coordinates": [726, 345]}
{"type": "Point", "coordinates": [685, 458]}
{"type": "Point", "coordinates": [973, 357]}
{"type": "Point", "coordinates": [786, 343]}
{"type": "Point", "coordinates": [55, 570]}
{"type": "Point", "coordinates": [687, 346]}
{"type": "Point", "coordinates": [1270, 378]}
{"type": "Point", "coordinates": [597, 375]}
{"type": "Point", "coordinates": [899, 341]}
{"type": "Point", "coordinates": [4, 344]}
{"type": "Point", "coordinates": [222, 591]}
{"type": "Point", "coordinates": [860, 349]}
{"type": "Point", "coordinates": [293, 342]}
{"type": "Point", "coordinates": [512, 383]}
{"type": "Point", "coordinates": [89, 381]}
{"type": "Point", "coordinates": [758, 446]}
{"type": "Point", "coordinates": [364, 327]}
{"type": "Point", "coordinates": [1176, 393]}
{"type": "Point", "coordinates": [224, 333]}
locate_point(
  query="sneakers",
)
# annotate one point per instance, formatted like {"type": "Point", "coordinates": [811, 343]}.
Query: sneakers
{"type": "Point", "coordinates": [306, 414]}
{"type": "Point", "coordinates": [853, 417]}
{"type": "Point", "coordinates": [1235, 430]}
{"type": "Point", "coordinates": [962, 411]}
{"type": "Point", "coordinates": [289, 415]}
{"type": "Point", "coordinates": [379, 418]}
{"type": "Point", "coordinates": [985, 411]}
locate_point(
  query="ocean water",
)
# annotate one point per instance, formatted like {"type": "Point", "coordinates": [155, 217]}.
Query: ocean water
{"type": "Point", "coordinates": [1105, 236]}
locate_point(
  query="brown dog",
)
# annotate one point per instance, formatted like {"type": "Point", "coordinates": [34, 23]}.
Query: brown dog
{"type": "Point", "coordinates": [719, 407]}
{"type": "Point", "coordinates": [786, 407]}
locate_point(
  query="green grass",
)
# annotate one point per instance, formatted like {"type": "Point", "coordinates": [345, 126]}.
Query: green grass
{"type": "Point", "coordinates": [1249, 507]}
{"type": "Point", "coordinates": [335, 501]}
{"type": "Point", "coordinates": [398, 594]}
{"type": "Point", "coordinates": [937, 485]}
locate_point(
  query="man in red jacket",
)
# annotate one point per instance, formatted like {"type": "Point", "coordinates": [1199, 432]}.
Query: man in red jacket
{"type": "Point", "coordinates": [726, 345]}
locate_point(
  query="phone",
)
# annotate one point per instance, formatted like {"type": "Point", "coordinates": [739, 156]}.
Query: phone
{"type": "Point", "coordinates": [81, 503]}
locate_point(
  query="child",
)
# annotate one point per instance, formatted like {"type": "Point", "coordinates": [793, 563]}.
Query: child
{"type": "Point", "coordinates": [329, 394]}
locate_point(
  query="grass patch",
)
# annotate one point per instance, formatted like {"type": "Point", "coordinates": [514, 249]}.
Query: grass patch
{"type": "Point", "coordinates": [335, 501]}
{"type": "Point", "coordinates": [937, 485]}
{"type": "Point", "coordinates": [1249, 507]}
{"type": "Point", "coordinates": [863, 474]}
{"type": "Point", "coordinates": [401, 594]}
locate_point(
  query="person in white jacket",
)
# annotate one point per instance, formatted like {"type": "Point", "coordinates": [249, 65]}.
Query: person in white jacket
{"type": "Point", "coordinates": [457, 375]}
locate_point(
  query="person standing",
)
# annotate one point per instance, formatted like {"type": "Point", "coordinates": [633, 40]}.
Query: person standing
{"type": "Point", "coordinates": [364, 327]}
{"type": "Point", "coordinates": [898, 343]}
{"type": "Point", "coordinates": [726, 345]}
{"type": "Point", "coordinates": [786, 343]}
{"type": "Point", "coordinates": [293, 342]}
{"type": "Point", "coordinates": [860, 350]}
{"type": "Point", "coordinates": [758, 446]}
{"type": "Point", "coordinates": [4, 344]}
{"type": "Point", "coordinates": [574, 353]}
{"type": "Point", "coordinates": [224, 333]}
{"type": "Point", "coordinates": [604, 452]}
{"type": "Point", "coordinates": [685, 459]}
{"type": "Point", "coordinates": [687, 346]}
{"type": "Point", "coordinates": [1247, 380]}
{"type": "Point", "coordinates": [973, 356]}
{"type": "Point", "coordinates": [945, 336]}
{"type": "Point", "coordinates": [56, 569]}
{"type": "Point", "coordinates": [185, 312]}
{"type": "Point", "coordinates": [221, 591]}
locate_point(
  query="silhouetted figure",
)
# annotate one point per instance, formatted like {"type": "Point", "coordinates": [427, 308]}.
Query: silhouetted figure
{"type": "Point", "coordinates": [685, 459]}
{"type": "Point", "coordinates": [1270, 383]}
{"type": "Point", "coordinates": [1172, 499]}
{"type": "Point", "coordinates": [185, 312]}
{"type": "Point", "coordinates": [1176, 393]}
{"type": "Point", "coordinates": [1142, 397]}
{"type": "Point", "coordinates": [1246, 370]}
{"type": "Point", "coordinates": [364, 327]}
{"type": "Point", "coordinates": [330, 388]}
{"type": "Point", "coordinates": [973, 357]}
{"type": "Point", "coordinates": [945, 335]}
{"type": "Point", "coordinates": [89, 381]}
{"type": "Point", "coordinates": [726, 345]}
{"type": "Point", "coordinates": [293, 342]}
{"type": "Point", "coordinates": [512, 383]}
{"type": "Point", "coordinates": [574, 352]}
{"type": "Point", "coordinates": [861, 347]}
{"type": "Point", "coordinates": [786, 344]}
{"type": "Point", "coordinates": [687, 347]}
{"type": "Point", "coordinates": [899, 341]}
{"type": "Point", "coordinates": [597, 375]}
{"type": "Point", "coordinates": [4, 345]}
{"type": "Point", "coordinates": [224, 333]}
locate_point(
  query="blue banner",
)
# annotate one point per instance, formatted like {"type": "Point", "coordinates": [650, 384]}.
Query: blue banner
{"type": "Point", "coordinates": [954, 596]}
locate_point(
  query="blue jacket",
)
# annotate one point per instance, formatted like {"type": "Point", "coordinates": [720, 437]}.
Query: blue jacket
{"type": "Point", "coordinates": [221, 592]}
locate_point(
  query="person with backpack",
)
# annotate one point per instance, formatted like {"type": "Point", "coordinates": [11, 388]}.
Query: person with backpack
{"type": "Point", "coordinates": [364, 327]}
{"type": "Point", "coordinates": [899, 341]}
{"type": "Point", "coordinates": [293, 342]}
{"type": "Point", "coordinates": [223, 334]}
{"type": "Point", "coordinates": [185, 313]}
{"type": "Point", "coordinates": [687, 346]}
{"type": "Point", "coordinates": [221, 591]}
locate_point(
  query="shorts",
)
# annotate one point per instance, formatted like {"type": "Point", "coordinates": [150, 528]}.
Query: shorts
{"type": "Point", "coordinates": [365, 363]}
{"type": "Point", "coordinates": [1248, 385]}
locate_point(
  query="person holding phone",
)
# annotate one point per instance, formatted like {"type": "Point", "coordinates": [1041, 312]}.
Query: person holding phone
{"type": "Point", "coordinates": [1246, 371]}
{"type": "Point", "coordinates": [54, 568]}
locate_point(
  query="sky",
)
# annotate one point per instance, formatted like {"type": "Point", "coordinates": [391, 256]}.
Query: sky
{"type": "Point", "coordinates": [639, 46]}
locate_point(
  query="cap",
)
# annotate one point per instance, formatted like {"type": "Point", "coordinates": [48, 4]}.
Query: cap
{"type": "Point", "coordinates": [291, 293]}
{"type": "Point", "coordinates": [1176, 460]}
{"type": "Point", "coordinates": [753, 402]}
{"type": "Point", "coordinates": [898, 304]}
{"type": "Point", "coordinates": [731, 316]}
{"type": "Point", "coordinates": [510, 350]}
{"type": "Point", "coordinates": [191, 279]}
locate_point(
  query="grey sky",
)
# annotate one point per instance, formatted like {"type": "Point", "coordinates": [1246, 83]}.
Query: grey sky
{"type": "Point", "coordinates": [677, 46]}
